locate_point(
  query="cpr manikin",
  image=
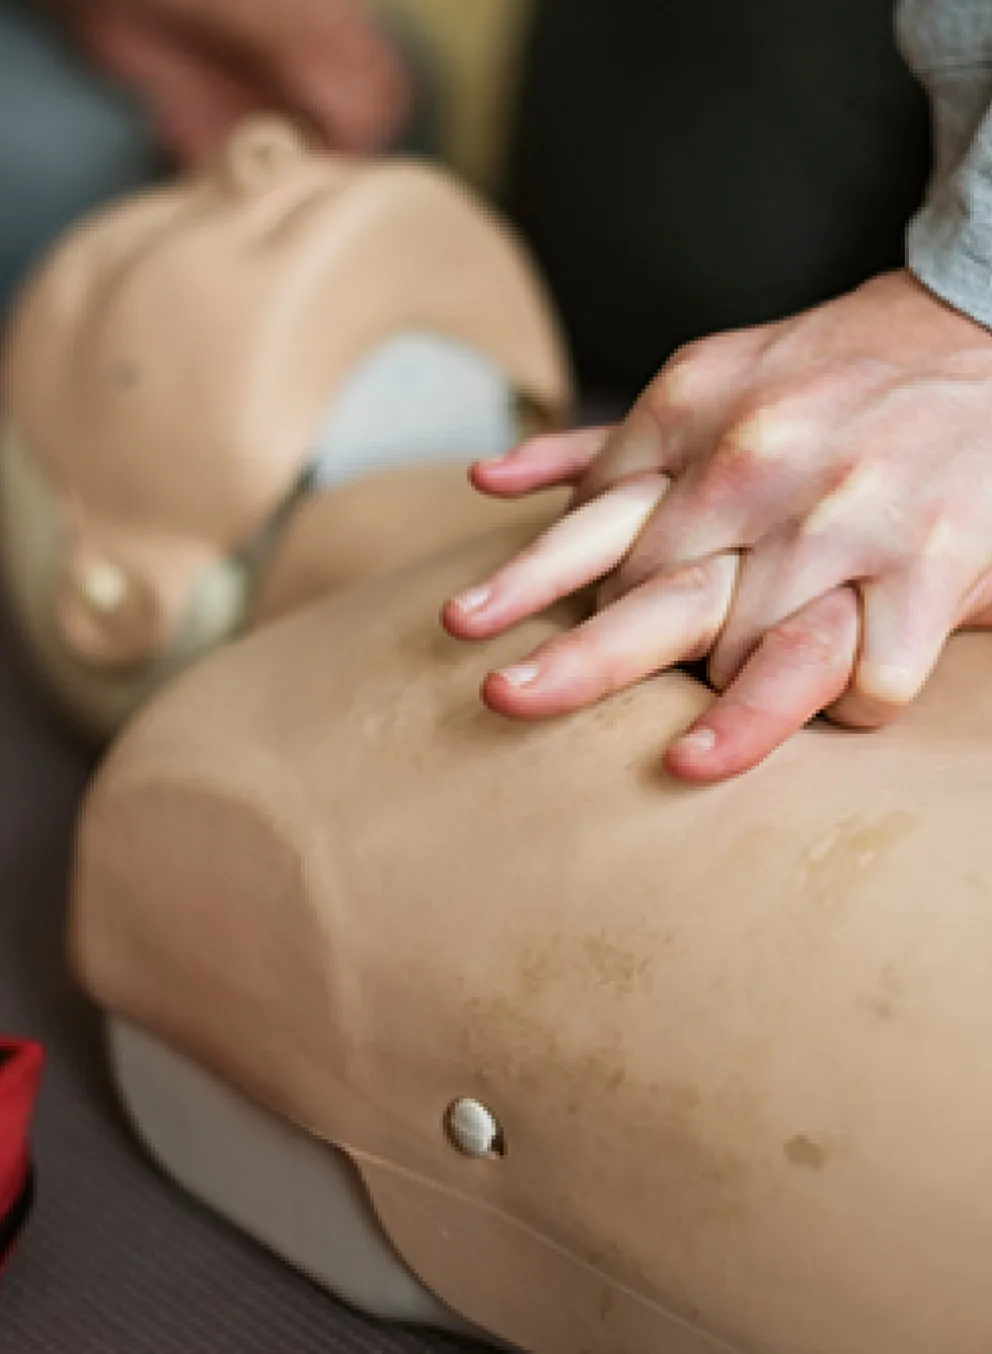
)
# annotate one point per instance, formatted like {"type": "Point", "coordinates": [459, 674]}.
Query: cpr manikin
{"type": "Point", "coordinates": [494, 1025]}
{"type": "Point", "coordinates": [193, 370]}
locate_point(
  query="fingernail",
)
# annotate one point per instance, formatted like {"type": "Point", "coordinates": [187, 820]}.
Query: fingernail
{"type": "Point", "coordinates": [697, 742]}
{"type": "Point", "coordinates": [473, 600]}
{"type": "Point", "coordinates": [521, 674]}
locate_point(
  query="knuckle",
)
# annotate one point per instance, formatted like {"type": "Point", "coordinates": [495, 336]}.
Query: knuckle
{"type": "Point", "coordinates": [856, 492]}
{"type": "Point", "coordinates": [699, 586]}
{"type": "Point", "coordinates": [772, 427]}
{"type": "Point", "coordinates": [694, 579]}
{"type": "Point", "coordinates": [689, 356]}
{"type": "Point", "coordinates": [738, 454]}
{"type": "Point", "coordinates": [801, 644]}
{"type": "Point", "coordinates": [947, 538]}
{"type": "Point", "coordinates": [839, 611]}
{"type": "Point", "coordinates": [940, 538]}
{"type": "Point", "coordinates": [583, 656]}
{"type": "Point", "coordinates": [691, 373]}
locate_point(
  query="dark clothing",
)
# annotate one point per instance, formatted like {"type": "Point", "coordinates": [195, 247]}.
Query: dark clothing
{"type": "Point", "coordinates": [688, 166]}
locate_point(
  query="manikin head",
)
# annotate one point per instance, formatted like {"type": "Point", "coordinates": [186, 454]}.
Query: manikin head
{"type": "Point", "coordinates": [191, 362]}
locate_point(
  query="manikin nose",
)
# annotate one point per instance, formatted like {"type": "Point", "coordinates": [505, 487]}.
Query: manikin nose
{"type": "Point", "coordinates": [106, 616]}
{"type": "Point", "coordinates": [101, 585]}
{"type": "Point", "coordinates": [260, 152]}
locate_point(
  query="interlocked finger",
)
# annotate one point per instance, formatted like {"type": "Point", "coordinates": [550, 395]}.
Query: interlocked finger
{"type": "Point", "coordinates": [799, 668]}
{"type": "Point", "coordinates": [665, 622]}
{"type": "Point", "coordinates": [578, 550]}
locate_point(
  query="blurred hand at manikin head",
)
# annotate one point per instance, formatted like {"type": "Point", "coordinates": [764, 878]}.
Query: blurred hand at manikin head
{"type": "Point", "coordinates": [199, 66]}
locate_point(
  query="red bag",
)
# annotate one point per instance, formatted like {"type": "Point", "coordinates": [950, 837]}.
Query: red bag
{"type": "Point", "coordinates": [21, 1066]}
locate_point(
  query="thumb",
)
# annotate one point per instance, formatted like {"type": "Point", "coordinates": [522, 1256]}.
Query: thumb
{"type": "Point", "coordinates": [345, 78]}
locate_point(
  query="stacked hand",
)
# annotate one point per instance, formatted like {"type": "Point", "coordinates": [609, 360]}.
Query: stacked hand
{"type": "Point", "coordinates": [808, 503]}
{"type": "Point", "coordinates": [200, 65]}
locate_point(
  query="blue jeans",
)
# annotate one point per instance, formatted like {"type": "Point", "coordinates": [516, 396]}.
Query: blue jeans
{"type": "Point", "coordinates": [70, 140]}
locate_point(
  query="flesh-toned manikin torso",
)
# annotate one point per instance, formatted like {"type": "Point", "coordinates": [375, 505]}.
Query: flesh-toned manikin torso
{"type": "Point", "coordinates": [189, 368]}
{"type": "Point", "coordinates": [625, 1066]}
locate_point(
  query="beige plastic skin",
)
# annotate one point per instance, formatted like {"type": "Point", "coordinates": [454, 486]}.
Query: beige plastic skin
{"type": "Point", "coordinates": [736, 1038]}
{"type": "Point", "coordinates": [381, 523]}
{"type": "Point", "coordinates": [167, 370]}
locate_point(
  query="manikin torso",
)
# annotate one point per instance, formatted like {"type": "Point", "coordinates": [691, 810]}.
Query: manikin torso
{"type": "Point", "coordinates": [735, 1039]}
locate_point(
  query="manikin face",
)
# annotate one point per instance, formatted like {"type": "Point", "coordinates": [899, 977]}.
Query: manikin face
{"type": "Point", "coordinates": [74, 613]}
{"type": "Point", "coordinates": [182, 369]}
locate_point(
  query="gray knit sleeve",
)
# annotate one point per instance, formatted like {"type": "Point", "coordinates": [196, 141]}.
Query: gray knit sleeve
{"type": "Point", "coordinates": [948, 45]}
